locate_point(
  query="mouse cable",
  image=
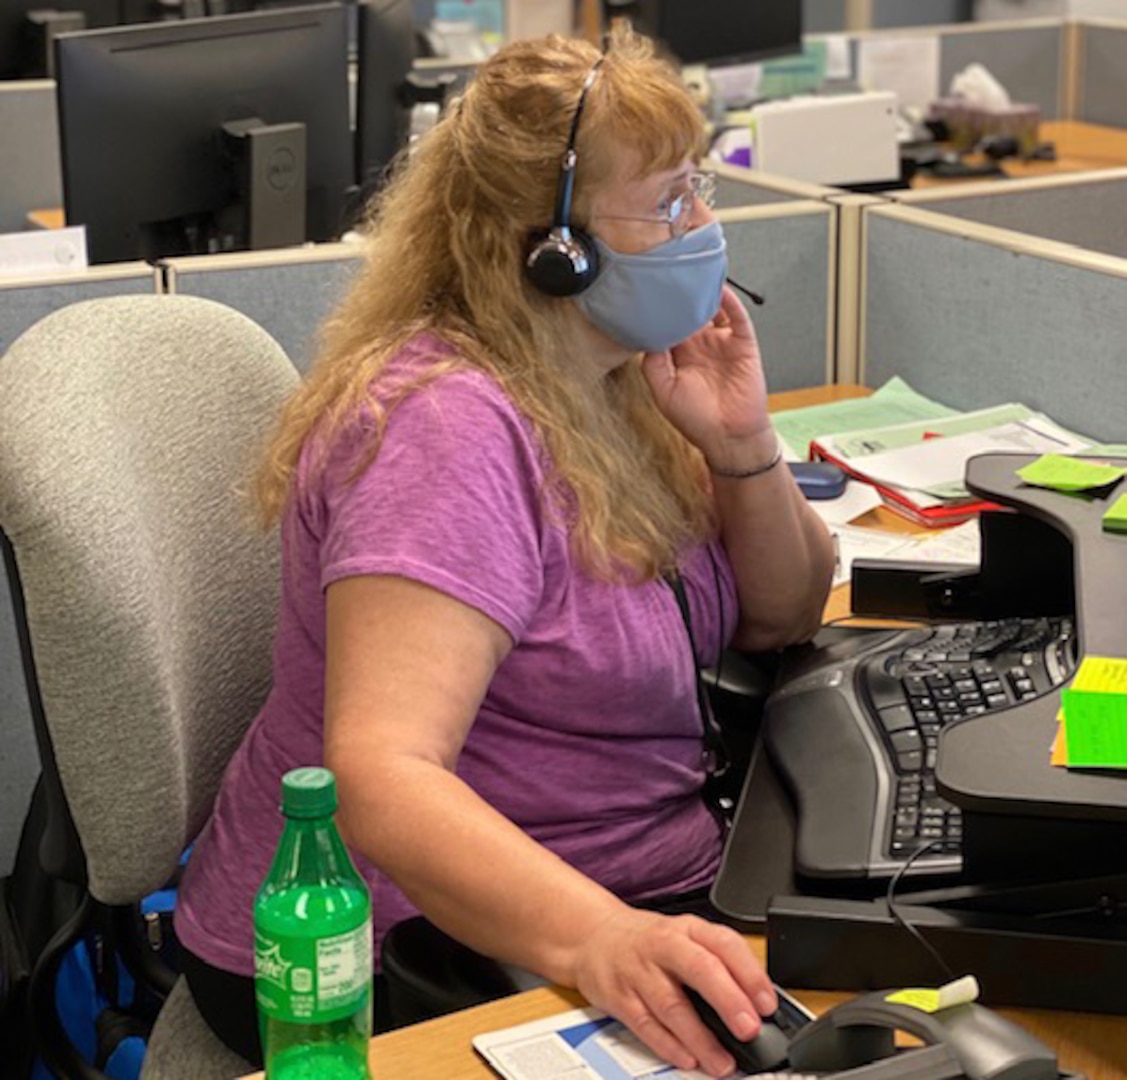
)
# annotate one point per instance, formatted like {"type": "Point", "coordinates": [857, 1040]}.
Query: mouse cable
{"type": "Point", "coordinates": [902, 922]}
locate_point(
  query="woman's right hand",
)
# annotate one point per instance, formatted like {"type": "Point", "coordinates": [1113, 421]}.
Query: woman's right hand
{"type": "Point", "coordinates": [635, 964]}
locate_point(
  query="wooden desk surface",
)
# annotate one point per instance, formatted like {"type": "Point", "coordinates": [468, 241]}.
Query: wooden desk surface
{"type": "Point", "coordinates": [441, 1049]}
{"type": "Point", "coordinates": [1080, 147]}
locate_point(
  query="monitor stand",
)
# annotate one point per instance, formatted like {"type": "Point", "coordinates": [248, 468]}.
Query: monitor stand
{"type": "Point", "coordinates": [41, 27]}
{"type": "Point", "coordinates": [269, 166]}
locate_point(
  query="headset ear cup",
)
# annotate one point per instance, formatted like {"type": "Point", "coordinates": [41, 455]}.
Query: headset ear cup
{"type": "Point", "coordinates": [562, 262]}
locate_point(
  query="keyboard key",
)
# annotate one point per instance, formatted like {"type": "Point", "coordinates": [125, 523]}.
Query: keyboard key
{"type": "Point", "coordinates": [896, 718]}
{"type": "Point", "coordinates": [906, 740]}
{"type": "Point", "coordinates": [911, 761]}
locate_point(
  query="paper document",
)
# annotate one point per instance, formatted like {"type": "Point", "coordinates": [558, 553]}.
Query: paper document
{"type": "Point", "coordinates": [938, 465]}
{"type": "Point", "coordinates": [42, 251]}
{"type": "Point", "coordinates": [857, 499]}
{"type": "Point", "coordinates": [961, 545]}
{"type": "Point", "coordinates": [584, 1044]}
{"type": "Point", "coordinates": [907, 66]}
{"type": "Point", "coordinates": [894, 403]}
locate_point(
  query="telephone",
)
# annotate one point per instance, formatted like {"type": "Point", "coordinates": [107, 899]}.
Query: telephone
{"type": "Point", "coordinates": [960, 1042]}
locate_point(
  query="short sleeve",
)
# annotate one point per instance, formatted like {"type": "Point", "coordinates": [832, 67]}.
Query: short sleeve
{"type": "Point", "coordinates": [453, 499]}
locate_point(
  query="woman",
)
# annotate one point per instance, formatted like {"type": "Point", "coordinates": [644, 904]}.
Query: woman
{"type": "Point", "coordinates": [485, 490]}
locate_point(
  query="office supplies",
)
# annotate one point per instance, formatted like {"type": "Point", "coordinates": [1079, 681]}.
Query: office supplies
{"type": "Point", "coordinates": [797, 137]}
{"type": "Point", "coordinates": [1115, 517]}
{"type": "Point", "coordinates": [1041, 873]}
{"type": "Point", "coordinates": [818, 479]}
{"type": "Point", "coordinates": [1095, 713]}
{"type": "Point", "coordinates": [1061, 473]}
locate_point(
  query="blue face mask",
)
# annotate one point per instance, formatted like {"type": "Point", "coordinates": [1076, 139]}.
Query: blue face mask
{"type": "Point", "coordinates": [657, 299]}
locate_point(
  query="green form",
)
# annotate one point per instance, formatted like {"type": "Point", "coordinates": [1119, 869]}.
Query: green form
{"type": "Point", "coordinates": [1095, 714]}
{"type": "Point", "coordinates": [894, 403]}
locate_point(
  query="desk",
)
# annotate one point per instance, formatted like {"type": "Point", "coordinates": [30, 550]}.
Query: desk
{"type": "Point", "coordinates": [441, 1048]}
{"type": "Point", "coordinates": [1080, 148]}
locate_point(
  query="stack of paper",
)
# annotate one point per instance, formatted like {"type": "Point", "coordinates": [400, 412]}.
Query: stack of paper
{"type": "Point", "coordinates": [914, 451]}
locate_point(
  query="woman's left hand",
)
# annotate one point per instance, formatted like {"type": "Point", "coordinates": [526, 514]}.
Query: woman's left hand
{"type": "Point", "coordinates": [711, 386]}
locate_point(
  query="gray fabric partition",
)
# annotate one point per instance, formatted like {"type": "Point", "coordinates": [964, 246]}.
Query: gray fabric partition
{"type": "Point", "coordinates": [787, 259]}
{"type": "Point", "coordinates": [1090, 215]}
{"type": "Point", "coordinates": [733, 193]}
{"type": "Point", "coordinates": [1025, 60]}
{"type": "Point", "coordinates": [289, 299]}
{"type": "Point", "coordinates": [975, 324]}
{"type": "Point", "coordinates": [25, 302]}
{"type": "Point", "coordinates": [1103, 52]}
{"type": "Point", "coordinates": [31, 177]}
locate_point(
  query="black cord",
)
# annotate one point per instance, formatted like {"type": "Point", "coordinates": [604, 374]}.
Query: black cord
{"type": "Point", "coordinates": [720, 605]}
{"type": "Point", "coordinates": [754, 297]}
{"type": "Point", "coordinates": [902, 922]}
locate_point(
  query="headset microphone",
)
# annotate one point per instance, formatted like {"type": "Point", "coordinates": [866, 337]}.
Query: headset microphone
{"type": "Point", "coordinates": [563, 260]}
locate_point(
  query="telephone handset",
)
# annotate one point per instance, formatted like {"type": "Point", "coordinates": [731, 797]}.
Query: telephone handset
{"type": "Point", "coordinates": [965, 1040]}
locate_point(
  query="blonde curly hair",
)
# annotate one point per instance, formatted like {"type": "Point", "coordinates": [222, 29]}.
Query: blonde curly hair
{"type": "Point", "coordinates": [444, 247]}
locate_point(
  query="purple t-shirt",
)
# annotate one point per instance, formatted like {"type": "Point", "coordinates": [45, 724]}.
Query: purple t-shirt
{"type": "Point", "coordinates": [589, 736]}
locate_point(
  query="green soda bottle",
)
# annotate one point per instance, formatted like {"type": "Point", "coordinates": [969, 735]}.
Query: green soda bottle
{"type": "Point", "coordinates": [313, 943]}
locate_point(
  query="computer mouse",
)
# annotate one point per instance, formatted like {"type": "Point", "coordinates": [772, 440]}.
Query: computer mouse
{"type": "Point", "coordinates": [764, 1053]}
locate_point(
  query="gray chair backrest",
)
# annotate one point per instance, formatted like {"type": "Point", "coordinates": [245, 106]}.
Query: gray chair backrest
{"type": "Point", "coordinates": [127, 426]}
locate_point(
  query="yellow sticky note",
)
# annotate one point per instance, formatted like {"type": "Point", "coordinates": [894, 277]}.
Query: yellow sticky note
{"type": "Point", "coordinates": [1058, 755]}
{"type": "Point", "coordinates": [1095, 714]}
{"type": "Point", "coordinates": [1062, 473]}
{"type": "Point", "coordinates": [1115, 517]}
{"type": "Point", "coordinates": [959, 992]}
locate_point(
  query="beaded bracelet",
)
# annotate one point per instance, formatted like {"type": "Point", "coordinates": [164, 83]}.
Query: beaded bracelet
{"type": "Point", "coordinates": [745, 474]}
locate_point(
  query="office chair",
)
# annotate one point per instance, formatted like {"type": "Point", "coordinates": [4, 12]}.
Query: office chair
{"type": "Point", "coordinates": [145, 602]}
{"type": "Point", "coordinates": [427, 973]}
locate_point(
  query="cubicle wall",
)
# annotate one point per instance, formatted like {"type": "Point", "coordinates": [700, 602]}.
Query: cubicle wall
{"type": "Point", "coordinates": [975, 315]}
{"type": "Point", "coordinates": [24, 301]}
{"type": "Point", "coordinates": [1086, 209]}
{"type": "Point", "coordinates": [1100, 94]}
{"type": "Point", "coordinates": [788, 254]}
{"type": "Point", "coordinates": [736, 187]}
{"type": "Point", "coordinates": [287, 292]}
{"type": "Point", "coordinates": [30, 173]}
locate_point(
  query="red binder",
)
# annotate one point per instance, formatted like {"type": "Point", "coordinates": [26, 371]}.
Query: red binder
{"type": "Point", "coordinates": [931, 517]}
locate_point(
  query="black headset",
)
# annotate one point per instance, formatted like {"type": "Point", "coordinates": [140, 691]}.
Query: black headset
{"type": "Point", "coordinates": [563, 260]}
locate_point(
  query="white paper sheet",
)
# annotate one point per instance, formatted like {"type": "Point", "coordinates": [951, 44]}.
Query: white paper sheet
{"type": "Point", "coordinates": [908, 66]}
{"type": "Point", "coordinates": [857, 499]}
{"type": "Point", "coordinates": [42, 251]}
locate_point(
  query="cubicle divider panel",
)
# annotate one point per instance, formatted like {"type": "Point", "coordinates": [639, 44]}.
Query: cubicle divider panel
{"type": "Point", "coordinates": [1102, 75]}
{"type": "Point", "coordinates": [736, 187]}
{"type": "Point", "coordinates": [1085, 209]}
{"type": "Point", "coordinates": [288, 292]}
{"type": "Point", "coordinates": [1028, 57]}
{"type": "Point", "coordinates": [788, 254]}
{"type": "Point", "coordinates": [29, 145]}
{"type": "Point", "coordinates": [24, 301]}
{"type": "Point", "coordinates": [976, 316]}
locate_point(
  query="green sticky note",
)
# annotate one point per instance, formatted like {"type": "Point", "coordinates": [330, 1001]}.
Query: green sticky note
{"type": "Point", "coordinates": [1095, 714]}
{"type": "Point", "coordinates": [1062, 473]}
{"type": "Point", "coordinates": [1115, 517]}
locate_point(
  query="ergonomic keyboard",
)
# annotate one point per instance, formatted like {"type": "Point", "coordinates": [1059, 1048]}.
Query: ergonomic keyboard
{"type": "Point", "coordinates": [855, 740]}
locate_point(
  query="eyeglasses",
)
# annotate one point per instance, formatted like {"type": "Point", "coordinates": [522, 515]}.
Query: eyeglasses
{"type": "Point", "coordinates": [679, 216]}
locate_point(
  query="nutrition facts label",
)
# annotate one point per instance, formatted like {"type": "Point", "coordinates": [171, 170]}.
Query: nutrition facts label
{"type": "Point", "coordinates": [344, 966]}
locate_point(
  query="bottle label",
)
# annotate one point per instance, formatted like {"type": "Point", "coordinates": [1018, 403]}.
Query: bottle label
{"type": "Point", "coordinates": [313, 980]}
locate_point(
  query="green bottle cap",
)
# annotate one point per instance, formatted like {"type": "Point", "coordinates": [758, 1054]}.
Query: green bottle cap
{"type": "Point", "coordinates": [309, 792]}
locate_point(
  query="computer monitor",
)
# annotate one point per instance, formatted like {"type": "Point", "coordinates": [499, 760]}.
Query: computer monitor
{"type": "Point", "coordinates": [717, 31]}
{"type": "Point", "coordinates": [385, 45]}
{"type": "Point", "coordinates": [206, 135]}
{"type": "Point", "coordinates": [28, 29]}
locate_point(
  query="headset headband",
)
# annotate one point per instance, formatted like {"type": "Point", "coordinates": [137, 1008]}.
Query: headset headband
{"type": "Point", "coordinates": [562, 218]}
